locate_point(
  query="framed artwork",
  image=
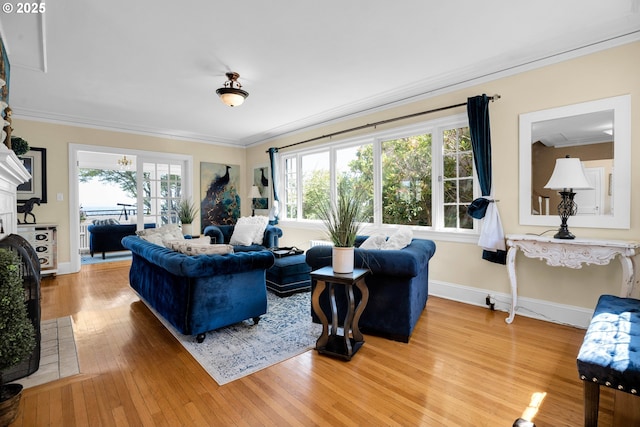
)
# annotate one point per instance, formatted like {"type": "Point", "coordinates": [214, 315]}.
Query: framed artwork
{"type": "Point", "coordinates": [219, 198]}
{"type": "Point", "coordinates": [35, 161]}
{"type": "Point", "coordinates": [5, 69]}
{"type": "Point", "coordinates": [261, 179]}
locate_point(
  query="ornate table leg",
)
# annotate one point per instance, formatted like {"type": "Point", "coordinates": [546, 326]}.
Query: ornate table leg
{"type": "Point", "coordinates": [364, 290]}
{"type": "Point", "coordinates": [315, 303]}
{"type": "Point", "coordinates": [628, 276]}
{"type": "Point", "coordinates": [511, 267]}
{"type": "Point", "coordinates": [348, 320]}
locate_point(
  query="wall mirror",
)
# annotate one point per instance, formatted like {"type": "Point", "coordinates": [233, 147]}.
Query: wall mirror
{"type": "Point", "coordinates": [599, 133]}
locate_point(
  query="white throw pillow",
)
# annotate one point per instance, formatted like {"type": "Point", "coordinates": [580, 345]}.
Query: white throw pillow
{"type": "Point", "coordinates": [249, 229]}
{"type": "Point", "coordinates": [399, 239]}
{"type": "Point", "coordinates": [376, 241]}
{"type": "Point", "coordinates": [243, 234]}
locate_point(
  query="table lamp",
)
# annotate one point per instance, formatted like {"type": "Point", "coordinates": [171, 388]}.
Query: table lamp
{"type": "Point", "coordinates": [568, 175]}
{"type": "Point", "coordinates": [253, 195]}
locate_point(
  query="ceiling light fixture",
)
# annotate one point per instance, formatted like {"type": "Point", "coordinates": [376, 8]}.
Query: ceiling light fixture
{"type": "Point", "coordinates": [232, 94]}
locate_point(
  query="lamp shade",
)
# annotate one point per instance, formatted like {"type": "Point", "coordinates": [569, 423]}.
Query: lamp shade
{"type": "Point", "coordinates": [568, 173]}
{"type": "Point", "coordinates": [255, 192]}
{"type": "Point", "coordinates": [232, 97]}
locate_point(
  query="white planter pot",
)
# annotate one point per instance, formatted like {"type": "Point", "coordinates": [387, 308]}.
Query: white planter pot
{"type": "Point", "coordinates": [187, 229]}
{"type": "Point", "coordinates": [342, 260]}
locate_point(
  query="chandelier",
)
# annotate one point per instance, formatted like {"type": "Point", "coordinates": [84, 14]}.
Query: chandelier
{"type": "Point", "coordinates": [124, 162]}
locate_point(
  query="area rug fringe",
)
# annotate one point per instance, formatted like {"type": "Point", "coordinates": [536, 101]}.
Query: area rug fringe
{"type": "Point", "coordinates": [233, 352]}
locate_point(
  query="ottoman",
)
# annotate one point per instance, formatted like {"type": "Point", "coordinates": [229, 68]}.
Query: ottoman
{"type": "Point", "coordinates": [289, 275]}
{"type": "Point", "coordinates": [609, 355]}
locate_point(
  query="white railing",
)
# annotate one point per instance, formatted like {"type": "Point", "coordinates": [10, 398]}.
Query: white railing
{"type": "Point", "coordinates": [313, 243]}
{"type": "Point", "coordinates": [84, 238]}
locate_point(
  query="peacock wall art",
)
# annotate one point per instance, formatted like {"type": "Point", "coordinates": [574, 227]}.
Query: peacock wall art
{"type": "Point", "coordinates": [261, 180]}
{"type": "Point", "coordinates": [220, 199]}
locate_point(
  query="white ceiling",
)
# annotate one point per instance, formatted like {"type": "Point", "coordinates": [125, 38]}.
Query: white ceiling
{"type": "Point", "coordinates": [153, 66]}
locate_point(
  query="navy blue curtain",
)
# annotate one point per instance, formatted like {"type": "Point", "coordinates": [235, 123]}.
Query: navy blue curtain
{"type": "Point", "coordinates": [478, 112]}
{"type": "Point", "coordinates": [275, 206]}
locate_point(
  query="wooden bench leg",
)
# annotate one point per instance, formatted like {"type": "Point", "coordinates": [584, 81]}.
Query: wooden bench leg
{"type": "Point", "coordinates": [591, 403]}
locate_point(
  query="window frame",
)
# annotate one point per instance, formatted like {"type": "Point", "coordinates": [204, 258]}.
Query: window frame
{"type": "Point", "coordinates": [436, 231]}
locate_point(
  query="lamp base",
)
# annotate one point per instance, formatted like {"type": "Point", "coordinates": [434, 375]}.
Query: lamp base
{"type": "Point", "coordinates": [564, 233]}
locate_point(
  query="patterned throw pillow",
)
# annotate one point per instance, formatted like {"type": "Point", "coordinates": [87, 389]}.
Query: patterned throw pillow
{"type": "Point", "coordinates": [205, 249]}
{"type": "Point", "coordinates": [108, 221]}
{"type": "Point", "coordinates": [162, 234]}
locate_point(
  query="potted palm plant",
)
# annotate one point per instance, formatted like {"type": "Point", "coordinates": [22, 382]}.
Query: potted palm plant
{"type": "Point", "coordinates": [16, 332]}
{"type": "Point", "coordinates": [187, 214]}
{"type": "Point", "coordinates": [343, 220]}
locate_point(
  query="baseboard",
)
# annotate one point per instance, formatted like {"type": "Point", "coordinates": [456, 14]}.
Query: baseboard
{"type": "Point", "coordinates": [537, 309]}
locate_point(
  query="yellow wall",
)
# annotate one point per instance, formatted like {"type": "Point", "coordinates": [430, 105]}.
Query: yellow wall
{"type": "Point", "coordinates": [604, 74]}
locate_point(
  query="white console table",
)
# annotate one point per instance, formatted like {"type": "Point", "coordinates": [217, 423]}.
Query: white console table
{"type": "Point", "coordinates": [570, 253]}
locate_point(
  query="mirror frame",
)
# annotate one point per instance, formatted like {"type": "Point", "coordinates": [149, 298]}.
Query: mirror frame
{"type": "Point", "coordinates": [621, 201]}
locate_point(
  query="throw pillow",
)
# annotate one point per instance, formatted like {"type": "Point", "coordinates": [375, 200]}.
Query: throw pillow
{"type": "Point", "coordinates": [166, 232]}
{"type": "Point", "coordinates": [156, 239]}
{"type": "Point", "coordinates": [399, 239]}
{"type": "Point", "coordinates": [108, 221]}
{"type": "Point", "coordinates": [205, 249]}
{"type": "Point", "coordinates": [376, 241]}
{"type": "Point", "coordinates": [249, 229]}
{"type": "Point", "coordinates": [243, 234]}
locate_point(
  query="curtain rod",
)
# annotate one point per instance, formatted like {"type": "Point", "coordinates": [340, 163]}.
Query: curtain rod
{"type": "Point", "coordinates": [381, 122]}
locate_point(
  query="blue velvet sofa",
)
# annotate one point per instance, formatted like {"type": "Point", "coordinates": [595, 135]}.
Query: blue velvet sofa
{"type": "Point", "coordinates": [223, 233]}
{"type": "Point", "coordinates": [108, 238]}
{"type": "Point", "coordinates": [398, 286]}
{"type": "Point", "coordinates": [199, 293]}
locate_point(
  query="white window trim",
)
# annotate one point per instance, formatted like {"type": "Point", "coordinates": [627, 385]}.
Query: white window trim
{"type": "Point", "coordinates": [434, 233]}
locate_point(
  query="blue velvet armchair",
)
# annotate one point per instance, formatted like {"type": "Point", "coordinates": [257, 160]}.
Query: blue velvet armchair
{"type": "Point", "coordinates": [398, 286]}
{"type": "Point", "coordinates": [223, 233]}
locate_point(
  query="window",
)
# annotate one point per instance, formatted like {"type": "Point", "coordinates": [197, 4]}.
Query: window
{"type": "Point", "coordinates": [419, 176]}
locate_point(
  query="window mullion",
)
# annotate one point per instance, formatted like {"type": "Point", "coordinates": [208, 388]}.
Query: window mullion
{"type": "Point", "coordinates": [437, 181]}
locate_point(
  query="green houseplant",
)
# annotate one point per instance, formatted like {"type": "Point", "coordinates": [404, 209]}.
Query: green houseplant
{"type": "Point", "coordinates": [343, 220]}
{"type": "Point", "coordinates": [19, 145]}
{"type": "Point", "coordinates": [187, 214]}
{"type": "Point", "coordinates": [16, 332]}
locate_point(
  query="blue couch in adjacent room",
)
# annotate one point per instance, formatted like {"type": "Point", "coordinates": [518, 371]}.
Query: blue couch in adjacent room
{"type": "Point", "coordinates": [398, 286]}
{"type": "Point", "coordinates": [108, 237]}
{"type": "Point", "coordinates": [199, 293]}
{"type": "Point", "coordinates": [223, 233]}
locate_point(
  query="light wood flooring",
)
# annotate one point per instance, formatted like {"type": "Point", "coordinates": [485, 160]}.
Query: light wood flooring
{"type": "Point", "coordinates": [464, 366]}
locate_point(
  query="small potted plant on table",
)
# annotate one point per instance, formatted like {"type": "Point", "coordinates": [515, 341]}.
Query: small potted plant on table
{"type": "Point", "coordinates": [187, 214]}
{"type": "Point", "coordinates": [342, 220]}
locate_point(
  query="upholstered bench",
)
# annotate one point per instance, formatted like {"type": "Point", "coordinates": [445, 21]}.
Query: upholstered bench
{"type": "Point", "coordinates": [289, 275]}
{"type": "Point", "coordinates": [609, 355]}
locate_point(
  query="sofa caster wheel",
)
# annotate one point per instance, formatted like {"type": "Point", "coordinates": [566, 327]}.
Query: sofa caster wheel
{"type": "Point", "coordinates": [256, 320]}
{"type": "Point", "coordinates": [200, 338]}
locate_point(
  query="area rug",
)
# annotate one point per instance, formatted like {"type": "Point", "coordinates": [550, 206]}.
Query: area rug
{"type": "Point", "coordinates": [230, 353]}
{"type": "Point", "coordinates": [58, 353]}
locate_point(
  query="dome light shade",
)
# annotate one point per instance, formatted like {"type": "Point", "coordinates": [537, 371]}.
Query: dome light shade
{"type": "Point", "coordinates": [231, 93]}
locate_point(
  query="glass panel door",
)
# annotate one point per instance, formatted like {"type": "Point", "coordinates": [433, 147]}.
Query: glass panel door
{"type": "Point", "coordinates": [161, 183]}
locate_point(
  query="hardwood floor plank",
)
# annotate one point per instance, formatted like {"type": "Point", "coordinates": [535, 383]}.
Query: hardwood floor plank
{"type": "Point", "coordinates": [464, 366]}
